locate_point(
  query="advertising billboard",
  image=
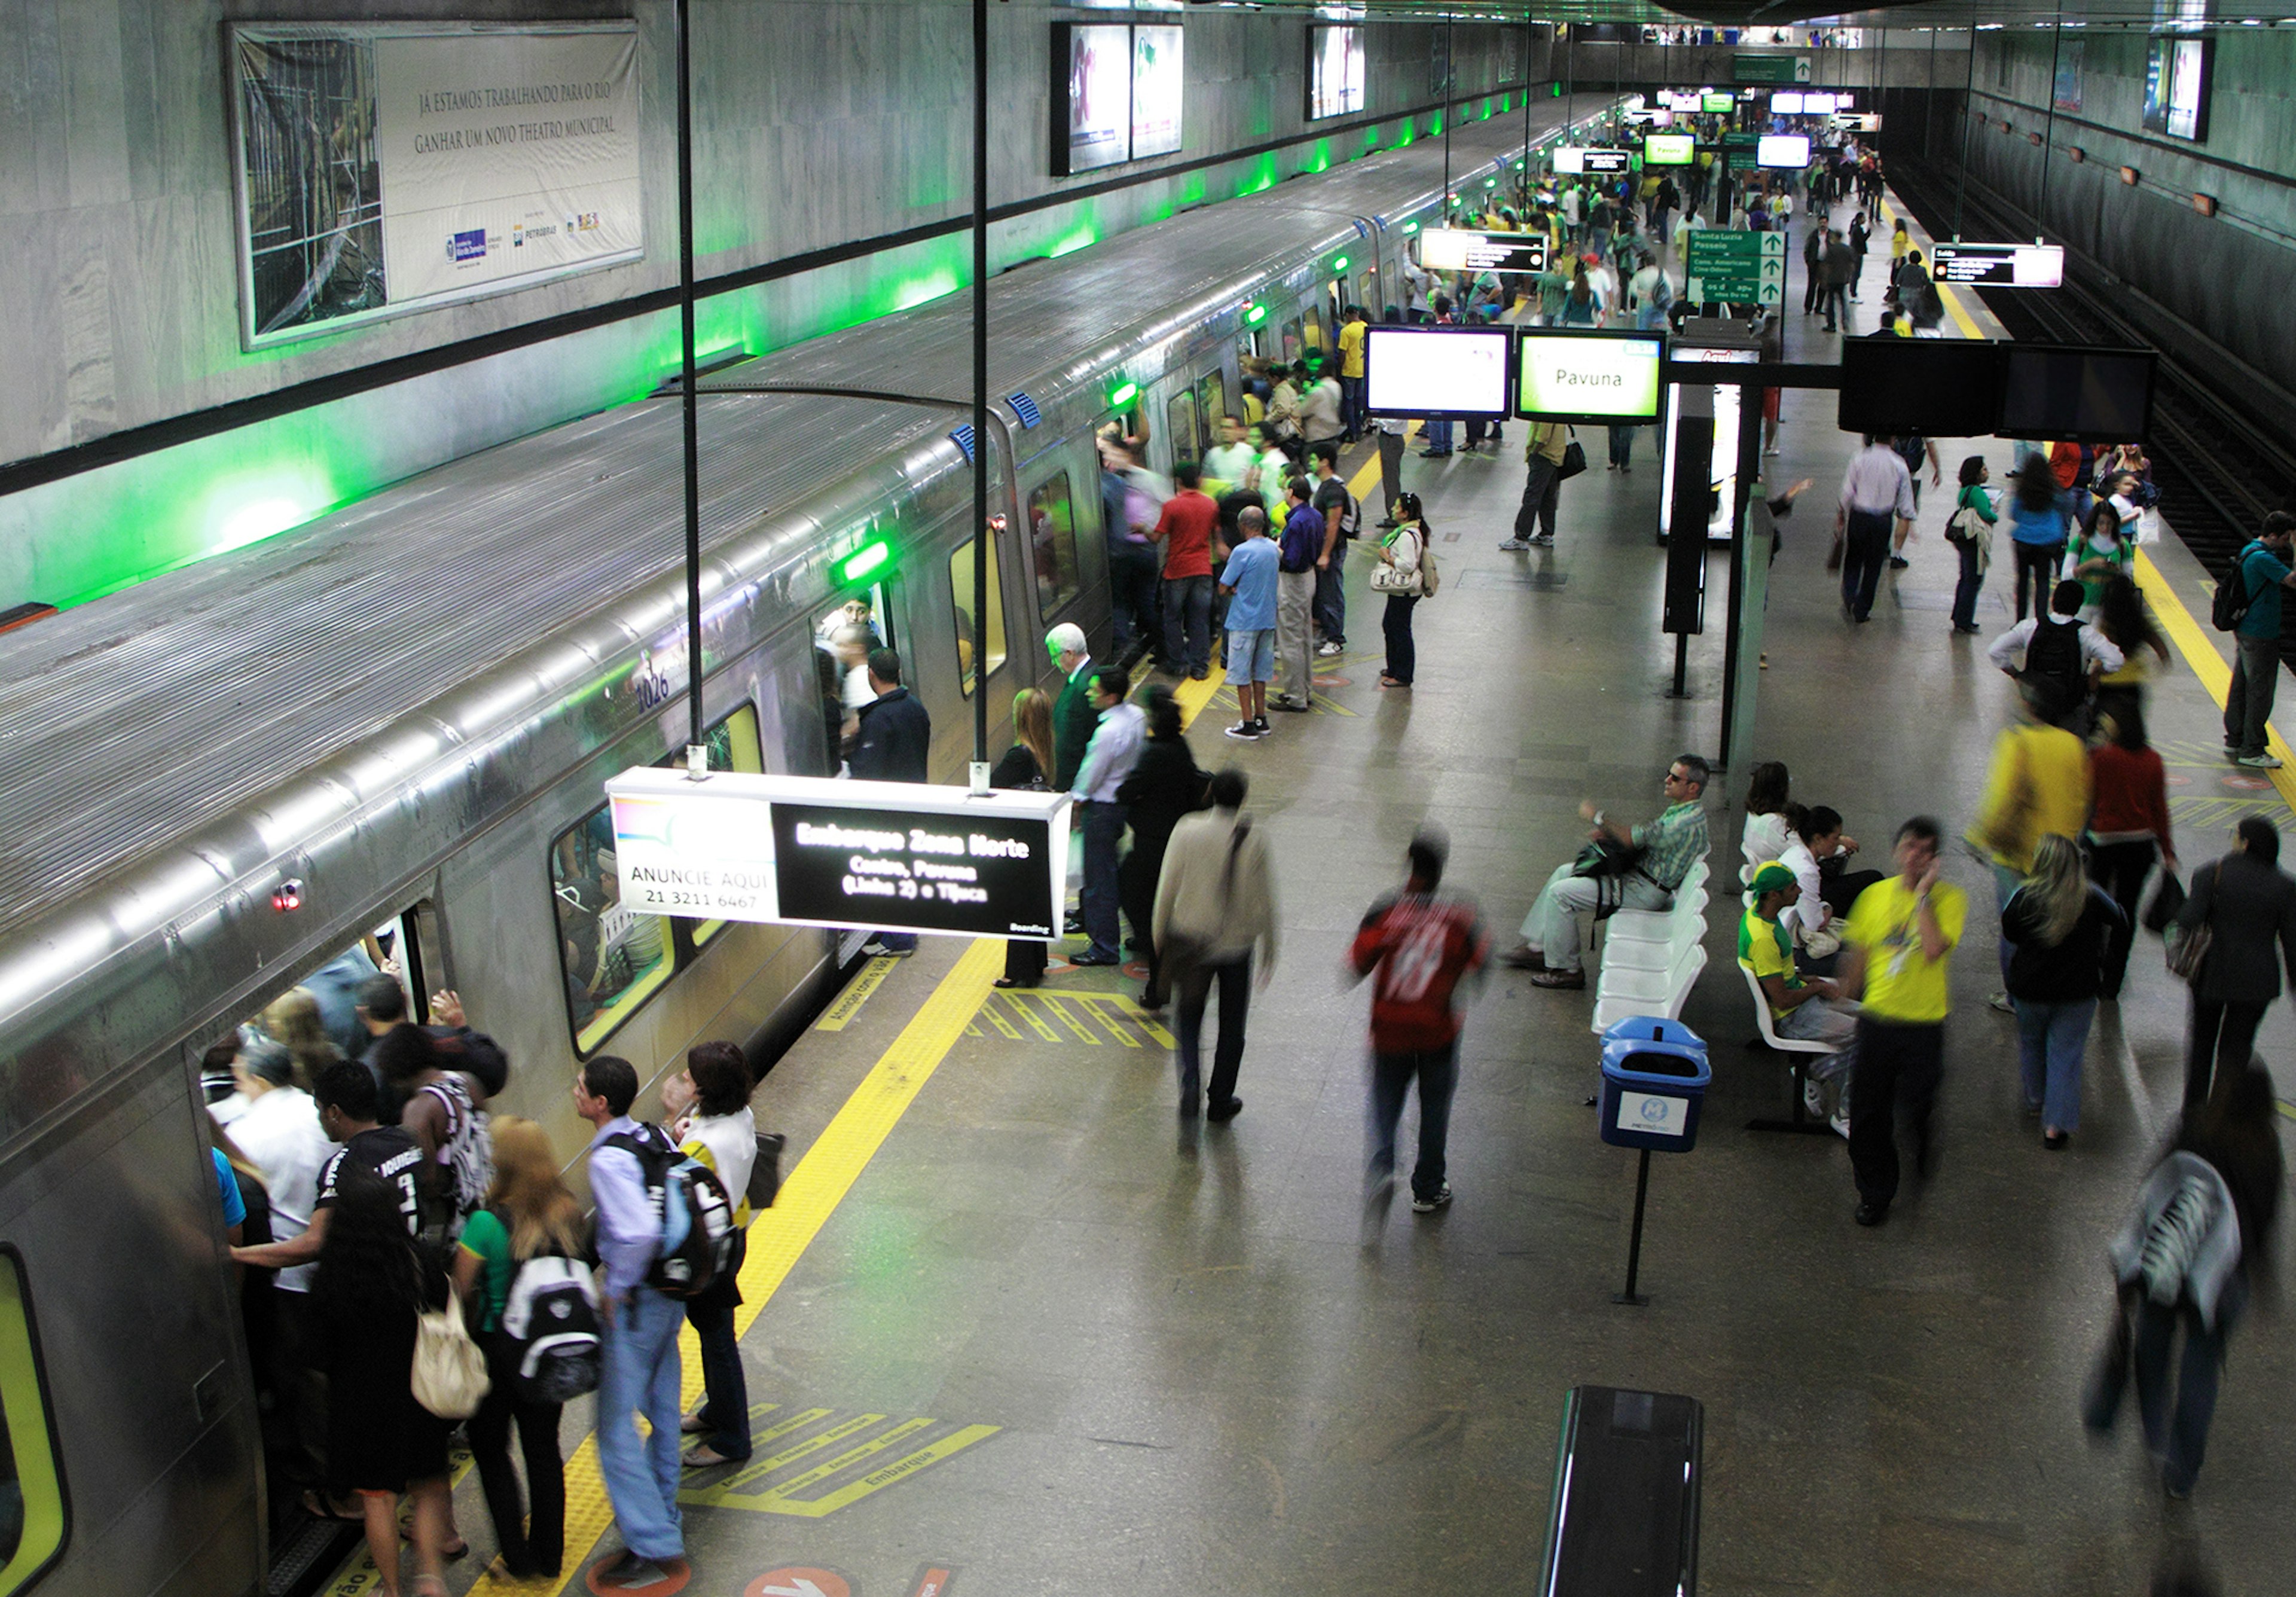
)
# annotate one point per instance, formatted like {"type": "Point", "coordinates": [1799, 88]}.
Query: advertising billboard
{"type": "Point", "coordinates": [1092, 102]}
{"type": "Point", "coordinates": [390, 167]}
{"type": "Point", "coordinates": [1336, 71]}
{"type": "Point", "coordinates": [1157, 88]}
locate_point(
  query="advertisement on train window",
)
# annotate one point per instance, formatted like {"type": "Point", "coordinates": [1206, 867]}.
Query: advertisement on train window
{"type": "Point", "coordinates": [1335, 72]}
{"type": "Point", "coordinates": [818, 851]}
{"type": "Point", "coordinates": [1156, 91]}
{"type": "Point", "coordinates": [1092, 113]}
{"type": "Point", "coordinates": [391, 168]}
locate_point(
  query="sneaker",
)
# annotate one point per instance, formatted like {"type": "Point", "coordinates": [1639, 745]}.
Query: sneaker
{"type": "Point", "coordinates": [1285, 701]}
{"type": "Point", "coordinates": [1542, 540]}
{"type": "Point", "coordinates": [1841, 1124]}
{"type": "Point", "coordinates": [1441, 1198]}
{"type": "Point", "coordinates": [1899, 562]}
{"type": "Point", "coordinates": [2259, 762]}
{"type": "Point", "coordinates": [1259, 725]}
{"type": "Point", "coordinates": [1325, 651]}
{"type": "Point", "coordinates": [628, 1572]}
{"type": "Point", "coordinates": [876, 950]}
{"type": "Point", "coordinates": [2003, 1003]}
{"type": "Point", "coordinates": [1568, 981]}
{"type": "Point", "coordinates": [1514, 544]}
{"type": "Point", "coordinates": [1244, 731]}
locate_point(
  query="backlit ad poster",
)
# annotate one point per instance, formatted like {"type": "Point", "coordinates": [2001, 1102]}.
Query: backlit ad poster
{"type": "Point", "coordinates": [1336, 71]}
{"type": "Point", "coordinates": [385, 168]}
{"type": "Point", "coordinates": [1092, 102]}
{"type": "Point", "coordinates": [1157, 91]}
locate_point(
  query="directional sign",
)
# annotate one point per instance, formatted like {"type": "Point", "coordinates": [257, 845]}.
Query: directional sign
{"type": "Point", "coordinates": [1469, 250]}
{"type": "Point", "coordinates": [2000, 266]}
{"type": "Point", "coordinates": [1740, 143]}
{"type": "Point", "coordinates": [1735, 268]}
{"type": "Point", "coordinates": [1770, 69]}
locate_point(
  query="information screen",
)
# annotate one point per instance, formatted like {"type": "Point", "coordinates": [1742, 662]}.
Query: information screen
{"type": "Point", "coordinates": [1724, 101]}
{"type": "Point", "coordinates": [1787, 149]}
{"type": "Point", "coordinates": [1608, 162]}
{"type": "Point", "coordinates": [1939, 388]}
{"type": "Point", "coordinates": [2086, 396]}
{"type": "Point", "coordinates": [1157, 91]}
{"type": "Point", "coordinates": [1571, 376]}
{"type": "Point", "coordinates": [1669, 149]}
{"type": "Point", "coordinates": [1336, 71]}
{"type": "Point", "coordinates": [1569, 160]}
{"type": "Point", "coordinates": [1092, 105]}
{"type": "Point", "coordinates": [1436, 371]}
{"type": "Point", "coordinates": [1999, 266]}
{"type": "Point", "coordinates": [1466, 249]}
{"type": "Point", "coordinates": [1788, 103]}
{"type": "Point", "coordinates": [2176, 73]}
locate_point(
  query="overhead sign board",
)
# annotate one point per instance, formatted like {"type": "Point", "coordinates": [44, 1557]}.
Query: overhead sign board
{"type": "Point", "coordinates": [1437, 371]}
{"type": "Point", "coordinates": [1770, 69]}
{"type": "Point", "coordinates": [1570, 160]}
{"type": "Point", "coordinates": [1999, 266]}
{"type": "Point", "coordinates": [814, 851]}
{"type": "Point", "coordinates": [1468, 249]}
{"type": "Point", "coordinates": [1724, 267]}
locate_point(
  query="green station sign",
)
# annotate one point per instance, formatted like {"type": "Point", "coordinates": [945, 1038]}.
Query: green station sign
{"type": "Point", "coordinates": [1734, 268]}
{"type": "Point", "coordinates": [1770, 69]}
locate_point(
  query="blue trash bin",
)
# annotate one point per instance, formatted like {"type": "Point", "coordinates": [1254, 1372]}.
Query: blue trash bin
{"type": "Point", "coordinates": [1654, 1079]}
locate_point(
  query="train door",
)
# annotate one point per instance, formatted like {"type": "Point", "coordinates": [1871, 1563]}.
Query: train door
{"type": "Point", "coordinates": [842, 637]}
{"type": "Point", "coordinates": [1211, 401]}
{"type": "Point", "coordinates": [1295, 341]}
{"type": "Point", "coordinates": [979, 644]}
{"type": "Point", "coordinates": [1250, 345]}
{"type": "Point", "coordinates": [1182, 427]}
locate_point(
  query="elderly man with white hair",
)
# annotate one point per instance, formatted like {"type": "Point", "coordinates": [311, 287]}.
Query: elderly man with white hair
{"type": "Point", "coordinates": [1074, 717]}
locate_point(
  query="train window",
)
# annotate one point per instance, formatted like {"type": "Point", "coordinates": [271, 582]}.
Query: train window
{"type": "Point", "coordinates": [1311, 321]}
{"type": "Point", "coordinates": [1211, 393]}
{"type": "Point", "coordinates": [734, 746]}
{"type": "Point", "coordinates": [33, 1517]}
{"type": "Point", "coordinates": [842, 637]}
{"type": "Point", "coordinates": [1052, 546]}
{"type": "Point", "coordinates": [969, 638]}
{"type": "Point", "coordinates": [1294, 346]}
{"type": "Point", "coordinates": [1180, 415]}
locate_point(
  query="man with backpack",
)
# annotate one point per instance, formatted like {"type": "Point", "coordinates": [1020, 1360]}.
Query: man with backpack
{"type": "Point", "coordinates": [2062, 656]}
{"type": "Point", "coordinates": [2248, 606]}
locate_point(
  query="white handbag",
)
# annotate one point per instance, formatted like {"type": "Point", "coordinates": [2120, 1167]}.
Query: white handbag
{"type": "Point", "coordinates": [450, 1373]}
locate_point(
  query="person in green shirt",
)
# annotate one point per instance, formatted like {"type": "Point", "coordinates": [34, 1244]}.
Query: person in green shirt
{"type": "Point", "coordinates": [1973, 535]}
{"type": "Point", "coordinates": [1805, 1010]}
{"type": "Point", "coordinates": [2100, 552]}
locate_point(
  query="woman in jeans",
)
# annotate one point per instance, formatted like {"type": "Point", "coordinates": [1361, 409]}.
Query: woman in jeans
{"type": "Point", "coordinates": [1976, 550]}
{"type": "Point", "coordinates": [2061, 926]}
{"type": "Point", "coordinates": [2128, 826]}
{"type": "Point", "coordinates": [1402, 551]}
{"type": "Point", "coordinates": [2248, 904]}
{"type": "Point", "coordinates": [2039, 520]}
{"type": "Point", "coordinates": [710, 1099]}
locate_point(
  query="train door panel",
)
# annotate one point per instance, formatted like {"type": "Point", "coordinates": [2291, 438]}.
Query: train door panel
{"type": "Point", "coordinates": [1060, 508]}
{"type": "Point", "coordinates": [1183, 428]}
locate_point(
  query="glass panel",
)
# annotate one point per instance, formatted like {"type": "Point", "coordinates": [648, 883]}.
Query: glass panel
{"type": "Point", "coordinates": [1051, 544]}
{"type": "Point", "coordinates": [33, 1522]}
{"type": "Point", "coordinates": [1293, 347]}
{"type": "Point", "coordinates": [1180, 416]}
{"type": "Point", "coordinates": [968, 641]}
{"type": "Point", "coordinates": [734, 746]}
{"type": "Point", "coordinates": [1312, 320]}
{"type": "Point", "coordinates": [842, 637]}
{"type": "Point", "coordinates": [1211, 393]}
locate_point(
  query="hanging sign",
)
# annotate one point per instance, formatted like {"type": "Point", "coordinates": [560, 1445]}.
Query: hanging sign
{"type": "Point", "coordinates": [816, 851]}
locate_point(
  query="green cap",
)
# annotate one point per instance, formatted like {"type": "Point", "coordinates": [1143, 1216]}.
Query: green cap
{"type": "Point", "coordinates": [1771, 878]}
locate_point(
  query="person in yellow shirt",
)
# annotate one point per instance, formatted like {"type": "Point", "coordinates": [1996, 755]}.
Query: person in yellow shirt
{"type": "Point", "coordinates": [2037, 786]}
{"type": "Point", "coordinates": [1352, 369]}
{"type": "Point", "coordinates": [1896, 946]}
{"type": "Point", "coordinates": [1804, 1009]}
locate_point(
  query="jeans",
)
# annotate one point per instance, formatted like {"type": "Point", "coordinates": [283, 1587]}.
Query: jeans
{"type": "Point", "coordinates": [1898, 1068]}
{"type": "Point", "coordinates": [726, 1407]}
{"type": "Point", "coordinates": [1622, 446]}
{"type": "Point", "coordinates": [1097, 902]}
{"type": "Point", "coordinates": [1438, 435]}
{"type": "Point", "coordinates": [1188, 623]}
{"type": "Point", "coordinates": [1295, 642]}
{"type": "Point", "coordinates": [1437, 1071]}
{"type": "Point", "coordinates": [1390, 468]}
{"type": "Point", "coordinates": [1542, 492]}
{"type": "Point", "coordinates": [2037, 562]}
{"type": "Point", "coordinates": [2120, 869]}
{"type": "Point", "coordinates": [1332, 597]}
{"type": "Point", "coordinates": [2051, 1038]}
{"type": "Point", "coordinates": [1402, 653]}
{"type": "Point", "coordinates": [1351, 404]}
{"type": "Point", "coordinates": [1965, 590]}
{"type": "Point", "coordinates": [1132, 598]}
{"type": "Point", "coordinates": [640, 1373]}
{"type": "Point", "coordinates": [528, 1549]}
{"type": "Point", "coordinates": [2248, 703]}
{"type": "Point", "coordinates": [1194, 990]}
{"type": "Point", "coordinates": [1817, 1020]}
{"type": "Point", "coordinates": [1865, 548]}
{"type": "Point", "coordinates": [2005, 883]}
{"type": "Point", "coordinates": [2222, 1034]}
{"type": "Point", "coordinates": [1551, 926]}
{"type": "Point", "coordinates": [2178, 1435]}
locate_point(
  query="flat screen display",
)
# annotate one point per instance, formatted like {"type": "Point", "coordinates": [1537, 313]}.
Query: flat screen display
{"type": "Point", "coordinates": [1939, 388]}
{"type": "Point", "coordinates": [1786, 150]}
{"type": "Point", "coordinates": [1607, 162]}
{"type": "Point", "coordinates": [1092, 104]}
{"type": "Point", "coordinates": [1565, 375]}
{"type": "Point", "coordinates": [1724, 101]}
{"type": "Point", "coordinates": [1669, 149]}
{"type": "Point", "coordinates": [1569, 160]}
{"type": "Point", "coordinates": [1470, 249]}
{"type": "Point", "coordinates": [1999, 266]}
{"type": "Point", "coordinates": [1788, 103]}
{"type": "Point", "coordinates": [2086, 396]}
{"type": "Point", "coordinates": [1336, 71]}
{"type": "Point", "coordinates": [2176, 73]}
{"type": "Point", "coordinates": [1157, 91]}
{"type": "Point", "coordinates": [1436, 371]}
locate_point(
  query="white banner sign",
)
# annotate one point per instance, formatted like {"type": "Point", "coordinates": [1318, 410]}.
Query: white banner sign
{"type": "Point", "coordinates": [391, 168]}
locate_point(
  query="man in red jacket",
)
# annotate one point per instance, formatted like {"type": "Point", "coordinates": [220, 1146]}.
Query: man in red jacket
{"type": "Point", "coordinates": [1417, 946]}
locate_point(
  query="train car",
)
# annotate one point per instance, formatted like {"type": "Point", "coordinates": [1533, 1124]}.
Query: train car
{"type": "Point", "coordinates": [381, 738]}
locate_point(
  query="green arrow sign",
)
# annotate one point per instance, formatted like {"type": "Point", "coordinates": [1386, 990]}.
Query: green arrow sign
{"type": "Point", "coordinates": [1735, 268]}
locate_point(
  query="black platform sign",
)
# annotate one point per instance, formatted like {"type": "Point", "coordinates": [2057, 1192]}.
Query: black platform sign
{"type": "Point", "coordinates": [915, 872]}
{"type": "Point", "coordinates": [1473, 250]}
{"type": "Point", "coordinates": [1607, 163]}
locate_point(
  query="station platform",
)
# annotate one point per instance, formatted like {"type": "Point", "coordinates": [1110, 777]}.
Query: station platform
{"type": "Point", "coordinates": [1014, 1328]}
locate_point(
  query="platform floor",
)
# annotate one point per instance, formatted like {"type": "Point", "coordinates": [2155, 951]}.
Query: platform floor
{"type": "Point", "coordinates": [1014, 1323]}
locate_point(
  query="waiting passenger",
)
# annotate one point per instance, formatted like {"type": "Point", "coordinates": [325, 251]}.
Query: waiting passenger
{"type": "Point", "coordinates": [2264, 571]}
{"type": "Point", "coordinates": [293, 1021]}
{"type": "Point", "coordinates": [1299, 544]}
{"type": "Point", "coordinates": [1186, 528]}
{"type": "Point", "coordinates": [1248, 581]}
{"type": "Point", "coordinates": [1108, 760]}
{"type": "Point", "coordinates": [709, 1101]}
{"type": "Point", "coordinates": [1027, 767]}
{"type": "Point", "coordinates": [895, 744]}
{"type": "Point", "coordinates": [1403, 553]}
{"type": "Point", "coordinates": [1341, 515]}
{"type": "Point", "coordinates": [1768, 789]}
{"type": "Point", "coordinates": [1801, 1010]}
{"type": "Point", "coordinates": [2060, 656]}
{"type": "Point", "coordinates": [1215, 909]}
{"type": "Point", "coordinates": [441, 1113]}
{"type": "Point", "coordinates": [1073, 716]}
{"type": "Point", "coordinates": [396, 1048]}
{"type": "Point", "coordinates": [1970, 530]}
{"type": "Point", "coordinates": [1165, 785]}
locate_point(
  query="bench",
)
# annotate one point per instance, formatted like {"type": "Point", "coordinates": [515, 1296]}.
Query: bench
{"type": "Point", "coordinates": [1794, 1049]}
{"type": "Point", "coordinates": [1651, 957]}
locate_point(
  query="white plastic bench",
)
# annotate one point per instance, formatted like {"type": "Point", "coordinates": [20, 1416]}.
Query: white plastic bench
{"type": "Point", "coordinates": [1795, 1049]}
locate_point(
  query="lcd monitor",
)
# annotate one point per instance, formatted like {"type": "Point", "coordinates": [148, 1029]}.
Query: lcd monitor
{"type": "Point", "coordinates": [1437, 371]}
{"type": "Point", "coordinates": [1788, 103]}
{"type": "Point", "coordinates": [1569, 161]}
{"type": "Point", "coordinates": [1336, 71]}
{"type": "Point", "coordinates": [1566, 374]}
{"type": "Point", "coordinates": [1724, 101]}
{"type": "Point", "coordinates": [1157, 91]}
{"type": "Point", "coordinates": [1789, 151]}
{"type": "Point", "coordinates": [1669, 149]}
{"type": "Point", "coordinates": [1092, 96]}
{"type": "Point", "coordinates": [2086, 396]}
{"type": "Point", "coordinates": [1939, 388]}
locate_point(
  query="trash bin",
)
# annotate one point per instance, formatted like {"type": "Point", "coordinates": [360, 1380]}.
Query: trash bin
{"type": "Point", "coordinates": [1654, 1079]}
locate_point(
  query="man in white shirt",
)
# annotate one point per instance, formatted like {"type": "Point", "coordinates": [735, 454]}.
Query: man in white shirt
{"type": "Point", "coordinates": [1230, 462]}
{"type": "Point", "coordinates": [1108, 760]}
{"type": "Point", "coordinates": [1875, 488]}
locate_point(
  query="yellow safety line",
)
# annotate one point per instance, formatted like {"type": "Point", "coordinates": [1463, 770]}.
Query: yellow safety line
{"type": "Point", "coordinates": [1951, 296]}
{"type": "Point", "coordinates": [2206, 663]}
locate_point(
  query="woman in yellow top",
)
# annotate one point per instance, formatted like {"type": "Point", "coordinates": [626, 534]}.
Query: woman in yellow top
{"type": "Point", "coordinates": [2121, 617]}
{"type": "Point", "coordinates": [2037, 785]}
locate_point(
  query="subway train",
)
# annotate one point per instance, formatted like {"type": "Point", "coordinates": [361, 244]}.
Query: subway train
{"type": "Point", "coordinates": [381, 740]}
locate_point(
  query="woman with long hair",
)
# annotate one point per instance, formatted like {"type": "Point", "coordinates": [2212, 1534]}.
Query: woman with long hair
{"type": "Point", "coordinates": [371, 1286]}
{"type": "Point", "coordinates": [528, 1213]}
{"type": "Point", "coordinates": [1974, 542]}
{"type": "Point", "coordinates": [1028, 766]}
{"type": "Point", "coordinates": [2127, 624]}
{"type": "Point", "coordinates": [710, 1099]}
{"type": "Point", "coordinates": [2060, 925]}
{"type": "Point", "coordinates": [2102, 552]}
{"type": "Point", "coordinates": [1403, 550]}
{"type": "Point", "coordinates": [1166, 784]}
{"type": "Point", "coordinates": [2038, 519]}
{"type": "Point", "coordinates": [2128, 826]}
{"type": "Point", "coordinates": [1766, 791]}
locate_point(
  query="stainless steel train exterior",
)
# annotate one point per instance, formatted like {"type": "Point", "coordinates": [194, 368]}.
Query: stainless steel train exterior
{"type": "Point", "coordinates": [213, 783]}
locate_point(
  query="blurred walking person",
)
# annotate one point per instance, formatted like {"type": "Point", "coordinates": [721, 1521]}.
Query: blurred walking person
{"type": "Point", "coordinates": [1214, 910]}
{"type": "Point", "coordinates": [2064, 927]}
{"type": "Point", "coordinates": [1165, 785]}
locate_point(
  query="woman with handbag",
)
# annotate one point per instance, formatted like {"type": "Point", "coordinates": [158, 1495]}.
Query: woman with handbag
{"type": "Point", "coordinates": [373, 1286]}
{"type": "Point", "coordinates": [2240, 907]}
{"type": "Point", "coordinates": [2062, 925]}
{"type": "Point", "coordinates": [1166, 784]}
{"type": "Point", "coordinates": [2127, 827]}
{"type": "Point", "coordinates": [1026, 766]}
{"type": "Point", "coordinates": [1970, 530]}
{"type": "Point", "coordinates": [1397, 576]}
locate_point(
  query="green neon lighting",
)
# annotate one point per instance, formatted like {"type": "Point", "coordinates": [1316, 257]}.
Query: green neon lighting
{"type": "Point", "coordinates": [1339, 263]}
{"type": "Point", "coordinates": [1122, 394]}
{"type": "Point", "coordinates": [1410, 227]}
{"type": "Point", "coordinates": [1074, 242]}
{"type": "Point", "coordinates": [865, 561]}
{"type": "Point", "coordinates": [1254, 316]}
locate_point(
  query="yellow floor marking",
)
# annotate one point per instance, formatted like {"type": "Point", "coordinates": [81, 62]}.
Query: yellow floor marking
{"type": "Point", "coordinates": [907, 1465]}
{"type": "Point", "coordinates": [1083, 1034]}
{"type": "Point", "coordinates": [2205, 662]}
{"type": "Point", "coordinates": [871, 977]}
{"type": "Point", "coordinates": [1028, 1013]}
{"type": "Point", "coordinates": [796, 1450]}
{"type": "Point", "coordinates": [992, 1010]}
{"type": "Point", "coordinates": [1951, 296]}
{"type": "Point", "coordinates": [1099, 1008]}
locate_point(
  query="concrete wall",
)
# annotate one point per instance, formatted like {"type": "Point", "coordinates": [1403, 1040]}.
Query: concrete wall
{"type": "Point", "coordinates": [1908, 60]}
{"type": "Point", "coordinates": [821, 123]}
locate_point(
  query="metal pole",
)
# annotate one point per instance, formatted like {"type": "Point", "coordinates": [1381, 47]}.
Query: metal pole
{"type": "Point", "coordinates": [981, 531]}
{"type": "Point", "coordinates": [1446, 114]}
{"type": "Point", "coordinates": [1968, 116]}
{"type": "Point", "coordinates": [1749, 464]}
{"type": "Point", "coordinates": [1929, 104]}
{"type": "Point", "coordinates": [2049, 123]}
{"type": "Point", "coordinates": [1529, 36]}
{"type": "Point", "coordinates": [1634, 1247]}
{"type": "Point", "coordinates": [697, 743]}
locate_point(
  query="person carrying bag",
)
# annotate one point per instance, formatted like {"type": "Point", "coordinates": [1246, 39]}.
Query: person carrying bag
{"type": "Point", "coordinates": [1405, 574]}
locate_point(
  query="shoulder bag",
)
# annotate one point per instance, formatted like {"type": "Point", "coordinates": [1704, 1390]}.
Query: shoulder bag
{"type": "Point", "coordinates": [1182, 953]}
{"type": "Point", "coordinates": [1393, 579]}
{"type": "Point", "coordinates": [449, 1378]}
{"type": "Point", "coordinates": [1574, 459]}
{"type": "Point", "coordinates": [2188, 951]}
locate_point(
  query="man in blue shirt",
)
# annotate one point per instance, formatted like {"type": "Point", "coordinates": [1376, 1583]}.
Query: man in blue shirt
{"type": "Point", "coordinates": [1249, 580]}
{"type": "Point", "coordinates": [2264, 571]}
{"type": "Point", "coordinates": [1295, 596]}
{"type": "Point", "coordinates": [1108, 760]}
{"type": "Point", "coordinates": [639, 1365]}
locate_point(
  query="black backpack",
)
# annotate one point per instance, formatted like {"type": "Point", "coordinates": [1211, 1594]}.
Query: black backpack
{"type": "Point", "coordinates": [550, 1329]}
{"type": "Point", "coordinates": [2053, 656]}
{"type": "Point", "coordinates": [2233, 596]}
{"type": "Point", "coordinates": [695, 1213]}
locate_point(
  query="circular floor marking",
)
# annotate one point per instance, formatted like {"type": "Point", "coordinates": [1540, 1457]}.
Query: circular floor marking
{"type": "Point", "coordinates": [2245, 784]}
{"type": "Point", "coordinates": [799, 1582]}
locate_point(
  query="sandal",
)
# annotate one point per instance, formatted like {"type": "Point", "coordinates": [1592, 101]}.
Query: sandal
{"type": "Point", "coordinates": [319, 1506]}
{"type": "Point", "coordinates": [1003, 981]}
